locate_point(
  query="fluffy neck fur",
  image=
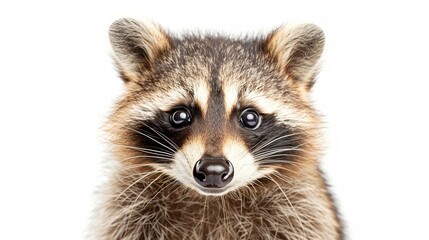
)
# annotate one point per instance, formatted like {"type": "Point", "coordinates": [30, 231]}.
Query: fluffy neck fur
{"type": "Point", "coordinates": [281, 209]}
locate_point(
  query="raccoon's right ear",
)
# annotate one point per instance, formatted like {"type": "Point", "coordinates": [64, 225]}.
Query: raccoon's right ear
{"type": "Point", "coordinates": [136, 46]}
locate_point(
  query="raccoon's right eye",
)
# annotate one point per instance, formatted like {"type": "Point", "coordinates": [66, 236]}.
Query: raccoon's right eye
{"type": "Point", "coordinates": [180, 118]}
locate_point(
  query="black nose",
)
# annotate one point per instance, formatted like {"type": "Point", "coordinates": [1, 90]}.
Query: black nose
{"type": "Point", "coordinates": [213, 172]}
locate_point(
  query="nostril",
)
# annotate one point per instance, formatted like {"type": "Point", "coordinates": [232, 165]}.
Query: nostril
{"type": "Point", "coordinates": [201, 176]}
{"type": "Point", "coordinates": [227, 176]}
{"type": "Point", "coordinates": [198, 175]}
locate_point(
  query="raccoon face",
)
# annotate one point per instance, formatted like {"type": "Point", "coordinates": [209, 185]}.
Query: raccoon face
{"type": "Point", "coordinates": [215, 113]}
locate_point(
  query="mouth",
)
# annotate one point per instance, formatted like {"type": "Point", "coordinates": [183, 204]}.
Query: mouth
{"type": "Point", "coordinates": [212, 191]}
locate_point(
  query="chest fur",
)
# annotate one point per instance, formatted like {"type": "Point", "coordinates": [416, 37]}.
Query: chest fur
{"type": "Point", "coordinates": [170, 212]}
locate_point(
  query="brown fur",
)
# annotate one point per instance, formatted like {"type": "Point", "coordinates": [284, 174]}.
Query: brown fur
{"type": "Point", "coordinates": [217, 76]}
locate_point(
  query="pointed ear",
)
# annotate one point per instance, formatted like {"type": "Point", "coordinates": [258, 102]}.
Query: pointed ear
{"type": "Point", "coordinates": [136, 45]}
{"type": "Point", "coordinates": [296, 50]}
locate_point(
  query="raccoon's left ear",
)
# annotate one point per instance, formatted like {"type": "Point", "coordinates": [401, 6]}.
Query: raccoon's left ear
{"type": "Point", "coordinates": [137, 45]}
{"type": "Point", "coordinates": [296, 50]}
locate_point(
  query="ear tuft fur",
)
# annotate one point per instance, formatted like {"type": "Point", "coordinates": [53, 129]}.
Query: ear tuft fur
{"type": "Point", "coordinates": [297, 50]}
{"type": "Point", "coordinates": [137, 45]}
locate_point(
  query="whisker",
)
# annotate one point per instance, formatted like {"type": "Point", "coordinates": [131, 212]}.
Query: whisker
{"type": "Point", "coordinates": [274, 140]}
{"type": "Point", "coordinates": [138, 165]}
{"type": "Point", "coordinates": [297, 147]}
{"type": "Point", "coordinates": [153, 139]}
{"type": "Point", "coordinates": [165, 159]}
{"type": "Point", "coordinates": [173, 144]}
{"type": "Point", "coordinates": [263, 145]}
{"type": "Point", "coordinates": [136, 181]}
{"type": "Point", "coordinates": [148, 150]}
{"type": "Point", "coordinates": [285, 178]}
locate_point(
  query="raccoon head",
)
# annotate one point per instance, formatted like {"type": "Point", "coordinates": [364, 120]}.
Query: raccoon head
{"type": "Point", "coordinates": [216, 113]}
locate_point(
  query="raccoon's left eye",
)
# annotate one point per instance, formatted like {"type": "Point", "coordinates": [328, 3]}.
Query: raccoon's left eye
{"type": "Point", "coordinates": [180, 118]}
{"type": "Point", "coordinates": [250, 119]}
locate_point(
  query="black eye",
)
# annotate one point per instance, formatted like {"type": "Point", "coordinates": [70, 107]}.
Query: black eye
{"type": "Point", "coordinates": [180, 118]}
{"type": "Point", "coordinates": [250, 119]}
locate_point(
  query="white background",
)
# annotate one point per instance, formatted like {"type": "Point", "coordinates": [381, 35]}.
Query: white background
{"type": "Point", "coordinates": [57, 83]}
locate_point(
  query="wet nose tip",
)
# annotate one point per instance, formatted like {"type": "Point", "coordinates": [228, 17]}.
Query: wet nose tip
{"type": "Point", "coordinates": [213, 172]}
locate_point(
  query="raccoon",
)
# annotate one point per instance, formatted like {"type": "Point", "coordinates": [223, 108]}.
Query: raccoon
{"type": "Point", "coordinates": [216, 137]}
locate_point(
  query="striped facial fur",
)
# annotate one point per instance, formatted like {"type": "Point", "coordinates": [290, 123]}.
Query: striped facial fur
{"type": "Point", "coordinates": [216, 83]}
{"type": "Point", "coordinates": [214, 117]}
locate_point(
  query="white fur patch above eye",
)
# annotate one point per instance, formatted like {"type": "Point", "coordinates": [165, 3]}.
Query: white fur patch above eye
{"type": "Point", "coordinates": [151, 104]}
{"type": "Point", "coordinates": [231, 97]}
{"type": "Point", "coordinates": [283, 112]}
{"type": "Point", "coordinates": [201, 94]}
{"type": "Point", "coordinates": [147, 107]}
